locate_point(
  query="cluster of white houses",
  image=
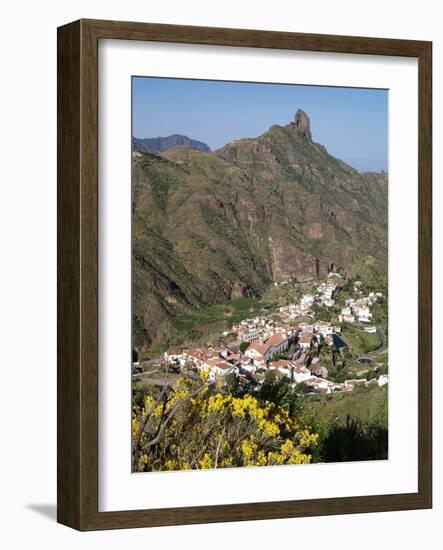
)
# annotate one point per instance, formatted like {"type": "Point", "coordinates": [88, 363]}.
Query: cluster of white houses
{"type": "Point", "coordinates": [267, 339]}
{"type": "Point", "coordinates": [359, 309]}
{"type": "Point", "coordinates": [260, 329]}
{"type": "Point", "coordinates": [218, 362]}
{"type": "Point", "coordinates": [327, 291]}
{"type": "Point", "coordinates": [324, 295]}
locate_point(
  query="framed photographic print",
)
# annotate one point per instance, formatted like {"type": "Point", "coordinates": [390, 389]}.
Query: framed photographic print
{"type": "Point", "coordinates": [244, 275]}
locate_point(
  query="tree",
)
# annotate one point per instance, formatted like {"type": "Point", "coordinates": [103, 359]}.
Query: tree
{"type": "Point", "coordinates": [302, 388]}
{"type": "Point", "coordinates": [195, 426]}
{"type": "Point", "coordinates": [321, 313]}
{"type": "Point", "coordinates": [341, 376]}
{"type": "Point", "coordinates": [244, 346]}
{"type": "Point", "coordinates": [277, 391]}
{"type": "Point", "coordinates": [356, 440]}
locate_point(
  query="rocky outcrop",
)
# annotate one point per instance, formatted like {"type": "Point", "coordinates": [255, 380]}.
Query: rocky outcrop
{"type": "Point", "coordinates": [302, 124]}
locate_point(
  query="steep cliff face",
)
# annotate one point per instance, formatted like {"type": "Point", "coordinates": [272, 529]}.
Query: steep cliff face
{"type": "Point", "coordinates": [208, 227]}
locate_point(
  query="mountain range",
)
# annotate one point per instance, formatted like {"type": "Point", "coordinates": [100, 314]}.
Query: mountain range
{"type": "Point", "coordinates": [212, 226]}
{"type": "Point", "coordinates": [161, 144]}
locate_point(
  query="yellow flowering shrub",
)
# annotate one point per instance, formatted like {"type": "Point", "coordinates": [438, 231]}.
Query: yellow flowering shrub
{"type": "Point", "coordinates": [195, 427]}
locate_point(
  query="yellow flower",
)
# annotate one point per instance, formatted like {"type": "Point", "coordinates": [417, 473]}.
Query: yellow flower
{"type": "Point", "coordinates": [262, 458]}
{"type": "Point", "coordinates": [227, 462]}
{"type": "Point", "coordinates": [249, 449]}
{"type": "Point", "coordinates": [269, 428]}
{"type": "Point", "coordinates": [171, 465]}
{"type": "Point", "coordinates": [206, 462]}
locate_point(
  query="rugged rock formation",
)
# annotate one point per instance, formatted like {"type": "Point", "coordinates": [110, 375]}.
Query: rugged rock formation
{"type": "Point", "coordinates": [302, 124]}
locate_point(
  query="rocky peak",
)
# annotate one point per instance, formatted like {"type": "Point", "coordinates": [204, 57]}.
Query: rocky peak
{"type": "Point", "coordinates": [302, 124]}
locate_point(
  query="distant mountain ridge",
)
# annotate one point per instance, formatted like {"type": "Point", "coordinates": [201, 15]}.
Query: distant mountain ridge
{"type": "Point", "coordinates": [161, 144]}
{"type": "Point", "coordinates": [212, 226]}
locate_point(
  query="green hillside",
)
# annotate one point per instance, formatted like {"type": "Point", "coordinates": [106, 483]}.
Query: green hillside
{"type": "Point", "coordinates": [209, 227]}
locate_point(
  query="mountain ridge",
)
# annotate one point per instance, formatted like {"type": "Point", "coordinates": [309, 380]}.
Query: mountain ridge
{"type": "Point", "coordinates": [212, 226]}
{"type": "Point", "coordinates": [161, 144]}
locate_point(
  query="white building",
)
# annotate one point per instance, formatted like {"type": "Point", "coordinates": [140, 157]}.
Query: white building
{"type": "Point", "coordinates": [363, 314]}
{"type": "Point", "coordinates": [175, 356]}
{"type": "Point", "coordinates": [305, 341]}
{"type": "Point", "coordinates": [301, 374]}
{"type": "Point", "coordinates": [346, 318]}
{"type": "Point", "coordinates": [251, 334]}
{"type": "Point", "coordinates": [324, 328]}
{"type": "Point", "coordinates": [307, 300]}
{"type": "Point", "coordinates": [306, 328]}
{"type": "Point", "coordinates": [260, 352]}
{"type": "Point", "coordinates": [256, 352]}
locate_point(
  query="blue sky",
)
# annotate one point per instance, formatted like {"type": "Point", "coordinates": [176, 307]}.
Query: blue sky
{"type": "Point", "coordinates": [351, 123]}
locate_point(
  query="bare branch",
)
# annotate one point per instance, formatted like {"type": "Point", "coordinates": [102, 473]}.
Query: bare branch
{"type": "Point", "coordinates": [218, 447]}
{"type": "Point", "coordinates": [142, 374]}
{"type": "Point", "coordinates": [145, 419]}
{"type": "Point", "coordinates": [171, 414]}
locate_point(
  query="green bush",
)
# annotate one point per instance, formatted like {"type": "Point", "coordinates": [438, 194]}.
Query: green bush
{"type": "Point", "coordinates": [244, 346]}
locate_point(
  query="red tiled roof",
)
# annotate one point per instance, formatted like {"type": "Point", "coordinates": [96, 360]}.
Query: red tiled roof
{"type": "Point", "coordinates": [259, 348]}
{"type": "Point", "coordinates": [276, 339]}
{"type": "Point", "coordinates": [305, 338]}
{"type": "Point", "coordinates": [222, 365]}
{"type": "Point", "coordinates": [175, 351]}
{"type": "Point", "coordinates": [280, 363]}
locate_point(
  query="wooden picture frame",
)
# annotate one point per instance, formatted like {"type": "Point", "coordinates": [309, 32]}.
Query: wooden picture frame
{"type": "Point", "coordinates": [78, 274]}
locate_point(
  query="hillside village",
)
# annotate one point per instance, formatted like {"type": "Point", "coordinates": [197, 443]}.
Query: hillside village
{"type": "Point", "coordinates": [290, 342]}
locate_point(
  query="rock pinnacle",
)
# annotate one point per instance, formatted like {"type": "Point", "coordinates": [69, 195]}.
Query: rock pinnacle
{"type": "Point", "coordinates": [302, 123]}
